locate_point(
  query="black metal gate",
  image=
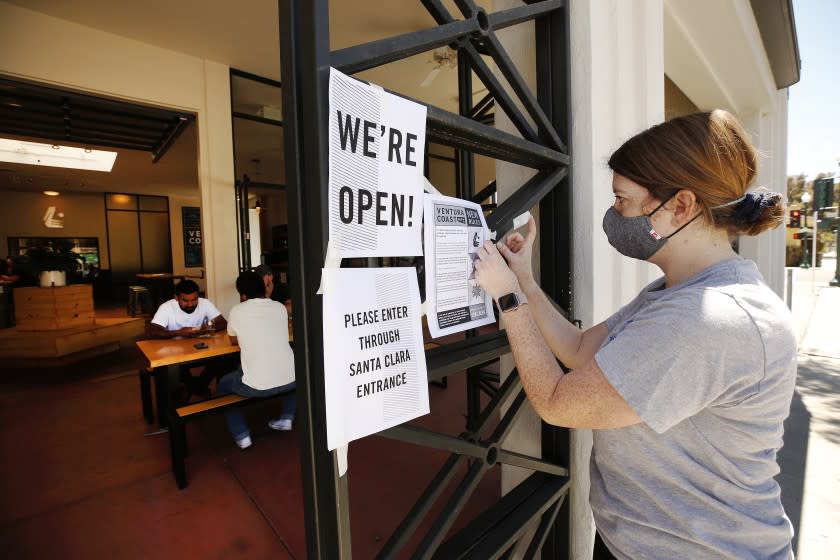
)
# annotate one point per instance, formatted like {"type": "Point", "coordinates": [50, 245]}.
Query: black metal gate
{"type": "Point", "coordinates": [535, 510]}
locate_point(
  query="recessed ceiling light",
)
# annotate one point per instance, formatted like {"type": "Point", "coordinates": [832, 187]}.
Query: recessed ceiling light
{"type": "Point", "coordinates": [52, 193]}
{"type": "Point", "coordinates": [33, 153]}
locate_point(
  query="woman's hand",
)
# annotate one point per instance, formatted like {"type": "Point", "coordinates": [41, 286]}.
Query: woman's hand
{"type": "Point", "coordinates": [493, 273]}
{"type": "Point", "coordinates": [517, 252]}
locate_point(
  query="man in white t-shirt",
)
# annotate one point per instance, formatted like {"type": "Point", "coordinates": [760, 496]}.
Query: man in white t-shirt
{"type": "Point", "coordinates": [185, 314]}
{"type": "Point", "coordinates": [260, 326]}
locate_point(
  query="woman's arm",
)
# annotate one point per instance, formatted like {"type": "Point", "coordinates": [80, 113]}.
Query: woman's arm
{"type": "Point", "coordinates": [572, 346]}
{"type": "Point", "coordinates": [568, 343]}
{"type": "Point", "coordinates": [582, 398]}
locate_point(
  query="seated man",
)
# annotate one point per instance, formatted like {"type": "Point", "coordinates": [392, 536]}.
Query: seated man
{"type": "Point", "coordinates": [185, 314]}
{"type": "Point", "coordinates": [259, 326]}
{"type": "Point", "coordinates": [8, 270]}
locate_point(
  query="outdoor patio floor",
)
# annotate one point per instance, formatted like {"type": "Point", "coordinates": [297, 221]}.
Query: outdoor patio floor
{"type": "Point", "coordinates": [81, 480]}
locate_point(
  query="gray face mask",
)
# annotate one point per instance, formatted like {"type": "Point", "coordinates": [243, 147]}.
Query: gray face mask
{"type": "Point", "coordinates": [636, 237]}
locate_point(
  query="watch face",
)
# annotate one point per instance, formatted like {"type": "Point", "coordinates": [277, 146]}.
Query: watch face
{"type": "Point", "coordinates": [508, 301]}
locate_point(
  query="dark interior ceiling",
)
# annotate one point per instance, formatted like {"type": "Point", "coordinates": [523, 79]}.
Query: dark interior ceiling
{"type": "Point", "coordinates": [58, 115]}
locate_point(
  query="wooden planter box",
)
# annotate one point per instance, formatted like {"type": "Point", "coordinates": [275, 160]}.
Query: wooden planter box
{"type": "Point", "coordinates": [45, 309]}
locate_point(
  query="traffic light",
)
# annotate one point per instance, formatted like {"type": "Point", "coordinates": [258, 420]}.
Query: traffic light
{"type": "Point", "coordinates": [795, 217]}
{"type": "Point", "coordinates": [824, 193]}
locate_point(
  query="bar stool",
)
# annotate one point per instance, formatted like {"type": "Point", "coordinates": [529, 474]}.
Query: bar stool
{"type": "Point", "coordinates": [139, 296]}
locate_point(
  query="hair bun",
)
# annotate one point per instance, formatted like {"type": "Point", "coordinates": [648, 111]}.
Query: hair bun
{"type": "Point", "coordinates": [754, 203]}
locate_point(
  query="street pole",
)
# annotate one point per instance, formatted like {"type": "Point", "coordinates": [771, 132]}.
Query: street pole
{"type": "Point", "coordinates": [814, 250]}
{"type": "Point", "coordinates": [805, 260]}
{"type": "Point", "coordinates": [836, 280]}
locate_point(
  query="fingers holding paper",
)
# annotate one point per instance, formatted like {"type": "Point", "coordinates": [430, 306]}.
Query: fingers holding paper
{"type": "Point", "coordinates": [493, 273]}
{"type": "Point", "coordinates": [517, 251]}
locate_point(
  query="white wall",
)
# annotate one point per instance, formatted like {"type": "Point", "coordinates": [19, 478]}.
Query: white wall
{"type": "Point", "coordinates": [48, 50]}
{"type": "Point", "coordinates": [769, 133]}
{"type": "Point", "coordinates": [715, 55]}
{"type": "Point", "coordinates": [617, 90]}
{"type": "Point", "coordinates": [617, 78]}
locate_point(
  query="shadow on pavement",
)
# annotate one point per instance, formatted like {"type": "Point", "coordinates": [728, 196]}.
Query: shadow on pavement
{"type": "Point", "coordinates": [792, 460]}
{"type": "Point", "coordinates": [819, 382]}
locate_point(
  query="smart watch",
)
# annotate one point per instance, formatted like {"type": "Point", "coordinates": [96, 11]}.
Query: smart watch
{"type": "Point", "coordinates": [511, 301]}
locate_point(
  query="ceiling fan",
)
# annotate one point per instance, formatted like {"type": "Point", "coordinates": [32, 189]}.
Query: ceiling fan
{"type": "Point", "coordinates": [444, 57]}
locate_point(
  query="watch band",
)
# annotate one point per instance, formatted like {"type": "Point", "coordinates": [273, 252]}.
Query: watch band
{"type": "Point", "coordinates": [511, 301]}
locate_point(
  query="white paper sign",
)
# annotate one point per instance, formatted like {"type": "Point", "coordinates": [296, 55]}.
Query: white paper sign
{"type": "Point", "coordinates": [377, 144]}
{"type": "Point", "coordinates": [454, 231]}
{"type": "Point", "coordinates": [374, 363]}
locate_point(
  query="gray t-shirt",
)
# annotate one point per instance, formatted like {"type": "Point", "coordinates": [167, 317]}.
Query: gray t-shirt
{"type": "Point", "coordinates": [709, 366]}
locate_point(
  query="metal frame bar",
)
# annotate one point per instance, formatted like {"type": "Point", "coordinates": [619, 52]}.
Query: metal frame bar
{"type": "Point", "coordinates": [305, 59]}
{"type": "Point", "coordinates": [556, 234]}
{"type": "Point", "coordinates": [484, 104]}
{"type": "Point", "coordinates": [493, 533]}
{"type": "Point", "coordinates": [352, 60]}
{"type": "Point", "coordinates": [304, 31]}
{"type": "Point", "coordinates": [376, 53]}
{"type": "Point", "coordinates": [453, 130]}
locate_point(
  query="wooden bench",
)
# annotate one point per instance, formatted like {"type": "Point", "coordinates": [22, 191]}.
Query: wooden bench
{"type": "Point", "coordinates": [56, 348]}
{"type": "Point", "coordinates": [178, 418]}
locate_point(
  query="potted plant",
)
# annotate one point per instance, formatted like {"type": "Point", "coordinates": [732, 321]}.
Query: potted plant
{"type": "Point", "coordinates": [52, 261]}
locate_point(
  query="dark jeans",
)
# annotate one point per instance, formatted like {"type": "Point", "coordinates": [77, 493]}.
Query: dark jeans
{"type": "Point", "coordinates": [601, 552]}
{"type": "Point", "coordinates": [213, 369]}
{"type": "Point", "coordinates": [232, 383]}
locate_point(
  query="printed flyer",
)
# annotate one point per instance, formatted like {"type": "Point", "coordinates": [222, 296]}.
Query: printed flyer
{"type": "Point", "coordinates": [454, 229]}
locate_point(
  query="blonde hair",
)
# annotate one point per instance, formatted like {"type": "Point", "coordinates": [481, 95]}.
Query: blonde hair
{"type": "Point", "coordinates": [709, 154]}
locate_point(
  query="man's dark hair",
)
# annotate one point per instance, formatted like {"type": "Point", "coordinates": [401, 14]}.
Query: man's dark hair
{"type": "Point", "coordinates": [264, 270]}
{"type": "Point", "coordinates": [186, 287]}
{"type": "Point", "coordinates": [251, 285]}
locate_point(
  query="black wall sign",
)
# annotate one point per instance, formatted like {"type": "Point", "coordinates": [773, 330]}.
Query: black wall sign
{"type": "Point", "coordinates": [191, 222]}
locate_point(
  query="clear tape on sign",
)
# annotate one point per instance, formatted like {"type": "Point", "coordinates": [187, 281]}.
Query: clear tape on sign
{"type": "Point", "coordinates": [429, 188]}
{"type": "Point", "coordinates": [332, 260]}
{"type": "Point", "coordinates": [521, 219]}
{"type": "Point", "coordinates": [518, 222]}
{"type": "Point", "coordinates": [341, 458]}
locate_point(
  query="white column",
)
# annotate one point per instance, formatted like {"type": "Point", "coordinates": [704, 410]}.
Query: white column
{"type": "Point", "coordinates": [617, 90]}
{"type": "Point", "coordinates": [617, 83]}
{"type": "Point", "coordinates": [216, 177]}
{"type": "Point", "coordinates": [768, 130]}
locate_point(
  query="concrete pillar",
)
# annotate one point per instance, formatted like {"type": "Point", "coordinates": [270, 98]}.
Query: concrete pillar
{"type": "Point", "coordinates": [216, 178]}
{"type": "Point", "coordinates": [617, 84]}
{"type": "Point", "coordinates": [768, 129]}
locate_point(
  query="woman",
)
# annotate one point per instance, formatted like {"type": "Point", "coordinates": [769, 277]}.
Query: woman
{"type": "Point", "coordinates": [686, 387]}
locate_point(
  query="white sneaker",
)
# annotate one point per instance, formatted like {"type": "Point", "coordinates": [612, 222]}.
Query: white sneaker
{"type": "Point", "coordinates": [244, 442]}
{"type": "Point", "coordinates": [281, 424]}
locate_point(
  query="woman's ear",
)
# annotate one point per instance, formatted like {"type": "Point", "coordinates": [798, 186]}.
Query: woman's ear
{"type": "Point", "coordinates": [684, 206]}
